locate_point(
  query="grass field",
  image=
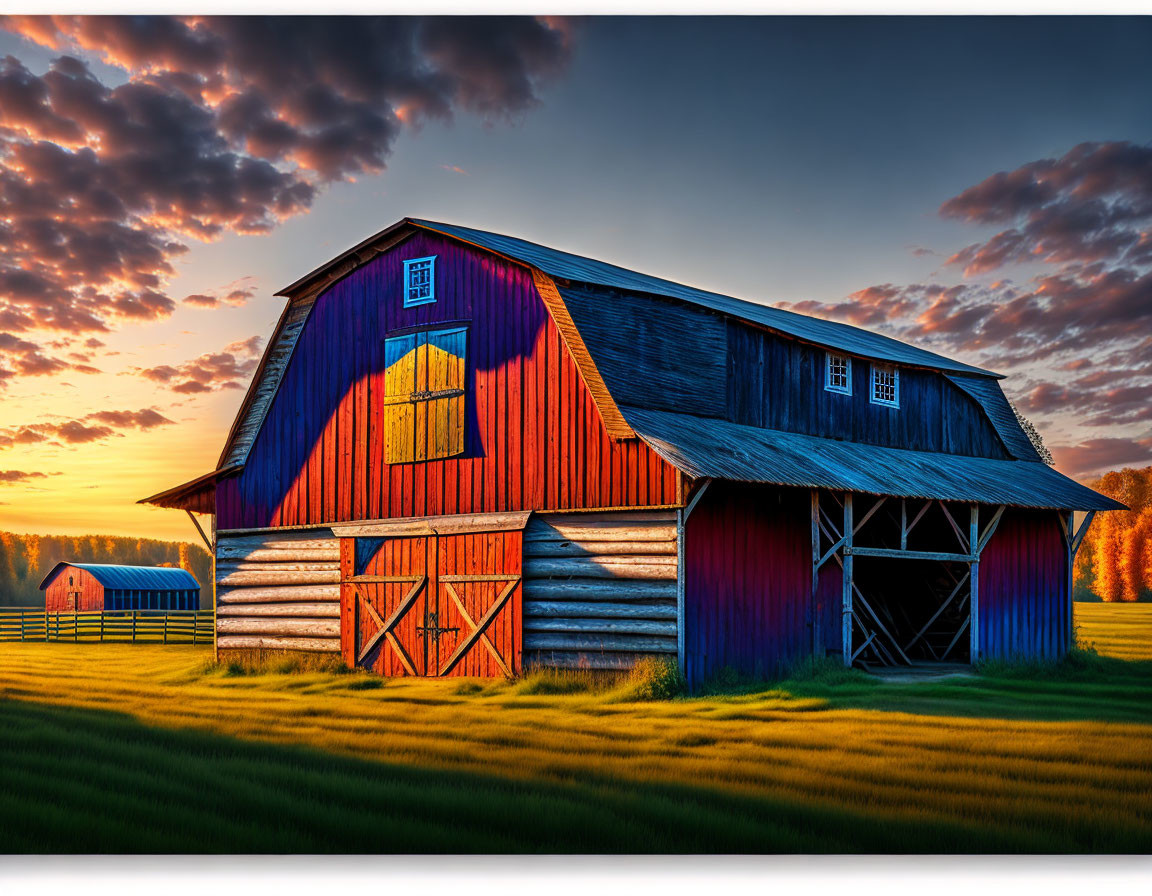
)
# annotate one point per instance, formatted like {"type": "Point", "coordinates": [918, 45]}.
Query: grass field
{"type": "Point", "coordinates": [140, 748]}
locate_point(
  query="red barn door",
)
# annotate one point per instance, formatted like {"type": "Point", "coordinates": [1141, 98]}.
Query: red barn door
{"type": "Point", "coordinates": [432, 605]}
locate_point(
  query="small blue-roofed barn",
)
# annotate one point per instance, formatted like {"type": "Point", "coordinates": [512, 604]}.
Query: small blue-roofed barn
{"type": "Point", "coordinates": [99, 586]}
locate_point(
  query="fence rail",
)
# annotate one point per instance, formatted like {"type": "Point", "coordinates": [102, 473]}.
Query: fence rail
{"type": "Point", "coordinates": [150, 626]}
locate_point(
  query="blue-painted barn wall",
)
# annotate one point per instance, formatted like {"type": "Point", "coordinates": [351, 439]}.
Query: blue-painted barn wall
{"type": "Point", "coordinates": [778, 383]}
{"type": "Point", "coordinates": [1024, 589]}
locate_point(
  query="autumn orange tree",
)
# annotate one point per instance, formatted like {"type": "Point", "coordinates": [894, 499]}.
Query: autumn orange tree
{"type": "Point", "coordinates": [1115, 561]}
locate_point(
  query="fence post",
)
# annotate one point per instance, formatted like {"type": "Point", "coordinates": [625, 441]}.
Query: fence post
{"type": "Point", "coordinates": [101, 626]}
{"type": "Point", "coordinates": [133, 626]}
{"type": "Point", "coordinates": [195, 625]}
{"type": "Point", "coordinates": [165, 627]}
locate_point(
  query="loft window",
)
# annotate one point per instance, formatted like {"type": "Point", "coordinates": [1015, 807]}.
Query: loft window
{"type": "Point", "coordinates": [424, 395]}
{"type": "Point", "coordinates": [419, 281]}
{"type": "Point", "coordinates": [838, 373]}
{"type": "Point", "coordinates": [885, 385]}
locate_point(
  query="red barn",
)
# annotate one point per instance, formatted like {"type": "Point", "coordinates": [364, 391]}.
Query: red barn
{"type": "Point", "coordinates": [464, 453]}
{"type": "Point", "coordinates": [97, 586]}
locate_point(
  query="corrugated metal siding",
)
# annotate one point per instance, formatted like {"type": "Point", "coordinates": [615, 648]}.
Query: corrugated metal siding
{"type": "Point", "coordinates": [534, 439]}
{"type": "Point", "coordinates": [747, 581]}
{"type": "Point", "coordinates": [812, 329]}
{"type": "Point", "coordinates": [1024, 589]}
{"type": "Point", "coordinates": [278, 590]}
{"type": "Point", "coordinates": [721, 450]}
{"type": "Point", "coordinates": [988, 394]}
{"type": "Point", "coordinates": [599, 589]}
{"type": "Point", "coordinates": [778, 383]}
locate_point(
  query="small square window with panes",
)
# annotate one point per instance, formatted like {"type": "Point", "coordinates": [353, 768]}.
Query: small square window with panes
{"type": "Point", "coordinates": [838, 373]}
{"type": "Point", "coordinates": [419, 283]}
{"type": "Point", "coordinates": [885, 385]}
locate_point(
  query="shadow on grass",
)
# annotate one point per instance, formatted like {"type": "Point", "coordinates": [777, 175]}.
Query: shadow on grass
{"type": "Point", "coordinates": [79, 781]}
{"type": "Point", "coordinates": [1084, 687]}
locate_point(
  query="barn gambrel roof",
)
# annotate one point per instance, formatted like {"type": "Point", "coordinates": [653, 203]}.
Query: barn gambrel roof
{"type": "Point", "coordinates": [578, 292]}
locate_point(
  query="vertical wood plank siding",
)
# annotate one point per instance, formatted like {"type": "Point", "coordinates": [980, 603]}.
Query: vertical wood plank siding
{"type": "Point", "coordinates": [1024, 589]}
{"type": "Point", "coordinates": [778, 383]}
{"type": "Point", "coordinates": [278, 590]}
{"type": "Point", "coordinates": [533, 438]}
{"type": "Point", "coordinates": [91, 591]}
{"type": "Point", "coordinates": [599, 589]}
{"type": "Point", "coordinates": [748, 581]}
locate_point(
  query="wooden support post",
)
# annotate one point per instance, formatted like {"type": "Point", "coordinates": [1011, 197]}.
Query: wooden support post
{"type": "Point", "coordinates": [215, 646]}
{"type": "Point", "coordinates": [196, 523]}
{"type": "Point", "coordinates": [846, 609]}
{"type": "Point", "coordinates": [974, 584]}
{"type": "Point", "coordinates": [903, 524]}
{"type": "Point", "coordinates": [813, 606]}
{"type": "Point", "coordinates": [681, 522]}
{"type": "Point", "coordinates": [1074, 539]}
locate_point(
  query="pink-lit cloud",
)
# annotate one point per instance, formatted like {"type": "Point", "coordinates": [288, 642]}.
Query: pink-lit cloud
{"type": "Point", "coordinates": [210, 372]}
{"type": "Point", "coordinates": [99, 426]}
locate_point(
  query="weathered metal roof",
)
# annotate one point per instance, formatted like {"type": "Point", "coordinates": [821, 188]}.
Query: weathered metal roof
{"type": "Point", "coordinates": [988, 394]}
{"type": "Point", "coordinates": [827, 333]}
{"type": "Point", "coordinates": [135, 578]}
{"type": "Point", "coordinates": [705, 447]}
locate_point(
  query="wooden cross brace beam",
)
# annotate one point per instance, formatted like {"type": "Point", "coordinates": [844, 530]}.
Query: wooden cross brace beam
{"type": "Point", "coordinates": [385, 627]}
{"type": "Point", "coordinates": [478, 628]}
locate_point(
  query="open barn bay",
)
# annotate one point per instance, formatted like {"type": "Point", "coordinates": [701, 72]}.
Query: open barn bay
{"type": "Point", "coordinates": [129, 748]}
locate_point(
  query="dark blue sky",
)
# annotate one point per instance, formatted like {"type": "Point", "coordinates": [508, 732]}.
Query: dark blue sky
{"type": "Point", "coordinates": [778, 158]}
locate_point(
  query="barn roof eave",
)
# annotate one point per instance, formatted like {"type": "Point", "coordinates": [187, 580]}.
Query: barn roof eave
{"type": "Point", "coordinates": [195, 494]}
{"type": "Point", "coordinates": [716, 449]}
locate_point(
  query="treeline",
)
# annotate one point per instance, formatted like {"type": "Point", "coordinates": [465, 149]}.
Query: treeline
{"type": "Point", "coordinates": [26, 559]}
{"type": "Point", "coordinates": [1115, 560]}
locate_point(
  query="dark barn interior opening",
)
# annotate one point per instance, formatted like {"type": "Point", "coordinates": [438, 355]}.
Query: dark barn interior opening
{"type": "Point", "coordinates": [921, 604]}
{"type": "Point", "coordinates": [906, 569]}
{"type": "Point", "coordinates": [911, 610]}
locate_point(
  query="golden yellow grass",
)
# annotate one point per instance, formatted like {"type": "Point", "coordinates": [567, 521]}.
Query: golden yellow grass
{"type": "Point", "coordinates": [1043, 765]}
{"type": "Point", "coordinates": [1119, 630]}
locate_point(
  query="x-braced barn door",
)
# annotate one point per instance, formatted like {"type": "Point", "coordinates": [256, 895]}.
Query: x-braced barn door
{"type": "Point", "coordinates": [432, 605]}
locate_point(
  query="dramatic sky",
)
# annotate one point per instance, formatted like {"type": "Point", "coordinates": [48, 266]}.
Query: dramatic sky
{"type": "Point", "coordinates": [982, 187]}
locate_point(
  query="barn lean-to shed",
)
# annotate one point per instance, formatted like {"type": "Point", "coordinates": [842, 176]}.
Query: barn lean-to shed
{"type": "Point", "coordinates": [464, 453]}
{"type": "Point", "coordinates": [70, 587]}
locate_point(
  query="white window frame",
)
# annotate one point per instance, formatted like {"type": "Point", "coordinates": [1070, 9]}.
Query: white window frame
{"type": "Point", "coordinates": [895, 371]}
{"type": "Point", "coordinates": [842, 390]}
{"type": "Point", "coordinates": [409, 264]}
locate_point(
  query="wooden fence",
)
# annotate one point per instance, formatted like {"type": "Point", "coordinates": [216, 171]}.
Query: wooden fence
{"type": "Point", "coordinates": [147, 626]}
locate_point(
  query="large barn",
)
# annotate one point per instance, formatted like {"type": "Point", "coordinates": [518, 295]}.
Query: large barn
{"type": "Point", "coordinates": [467, 454]}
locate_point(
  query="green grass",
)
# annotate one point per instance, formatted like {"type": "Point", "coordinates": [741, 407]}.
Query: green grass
{"type": "Point", "coordinates": [138, 748]}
